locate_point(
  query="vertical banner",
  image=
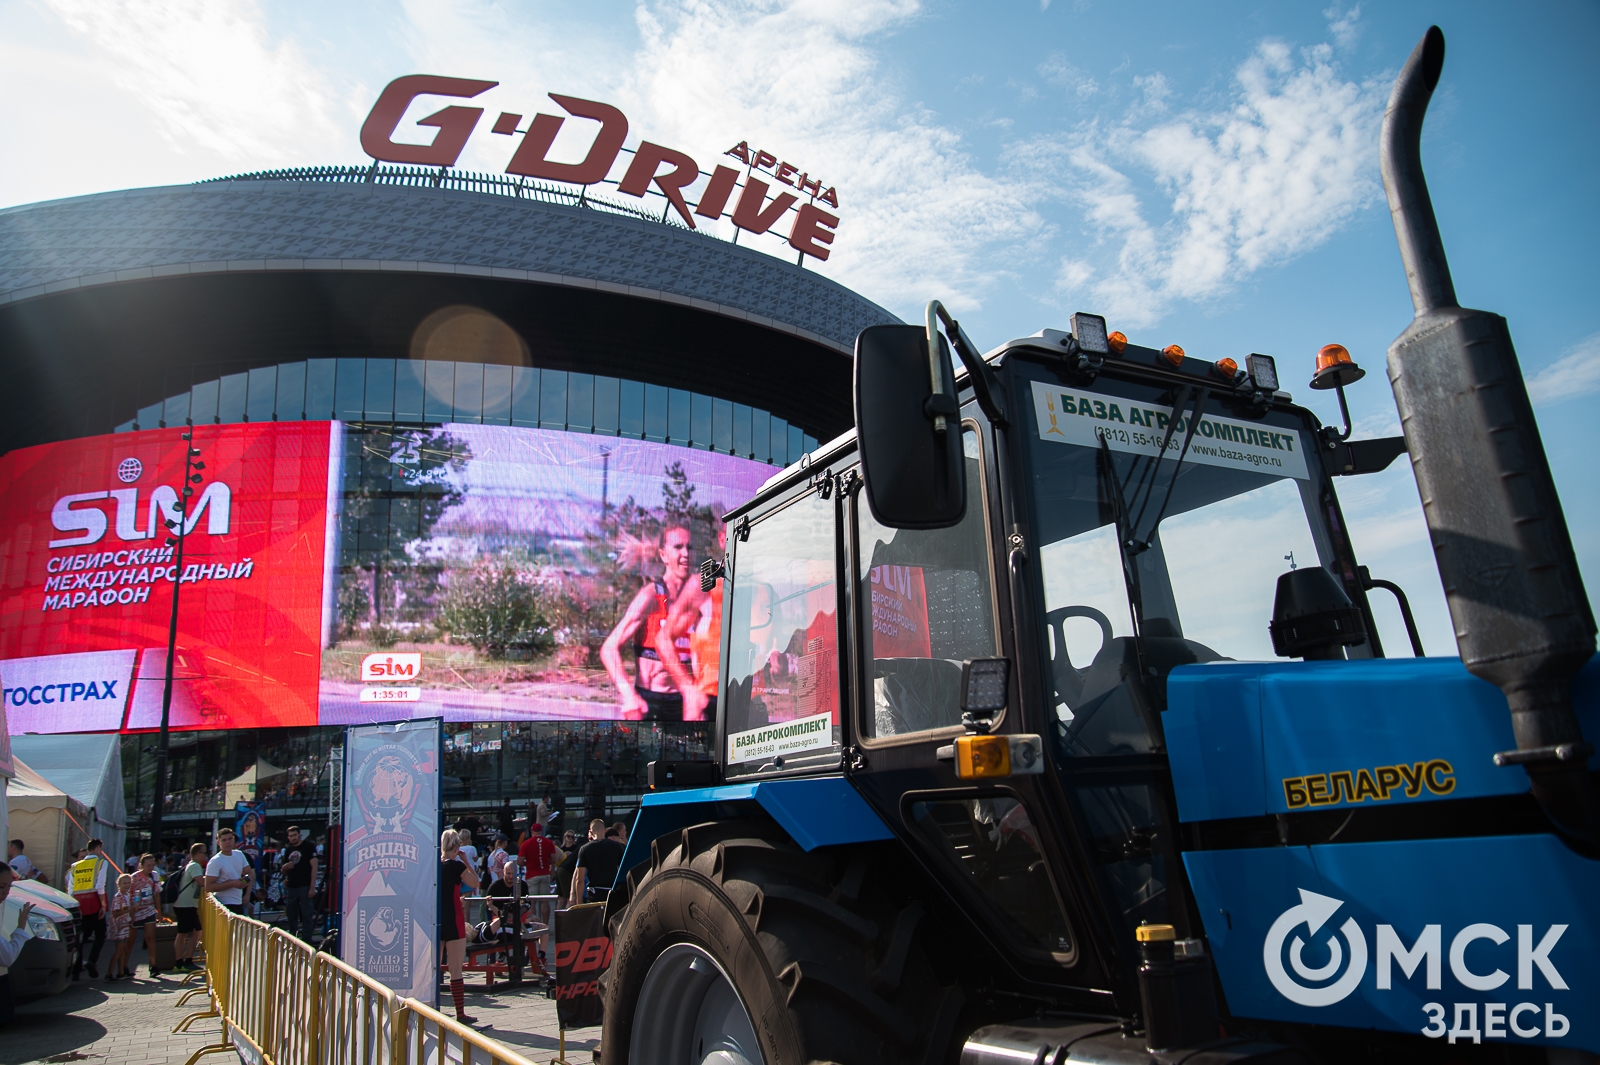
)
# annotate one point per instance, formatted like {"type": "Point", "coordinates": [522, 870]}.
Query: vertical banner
{"type": "Point", "coordinates": [250, 825]}
{"type": "Point", "coordinates": [390, 860]}
{"type": "Point", "coordinates": [583, 951]}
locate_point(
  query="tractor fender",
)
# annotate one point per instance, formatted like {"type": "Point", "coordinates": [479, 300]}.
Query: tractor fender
{"type": "Point", "coordinates": [814, 811]}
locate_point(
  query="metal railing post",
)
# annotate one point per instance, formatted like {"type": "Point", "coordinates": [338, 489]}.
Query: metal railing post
{"type": "Point", "coordinates": [314, 1009]}
{"type": "Point", "coordinates": [397, 1033]}
{"type": "Point", "coordinates": [269, 982]}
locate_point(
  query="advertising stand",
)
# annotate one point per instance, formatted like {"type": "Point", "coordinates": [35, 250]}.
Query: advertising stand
{"type": "Point", "coordinates": [390, 868]}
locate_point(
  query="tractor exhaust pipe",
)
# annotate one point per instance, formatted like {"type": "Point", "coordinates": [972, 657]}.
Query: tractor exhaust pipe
{"type": "Point", "coordinates": [1522, 620]}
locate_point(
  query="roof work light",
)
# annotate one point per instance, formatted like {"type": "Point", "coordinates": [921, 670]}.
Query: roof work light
{"type": "Point", "coordinates": [1090, 332]}
{"type": "Point", "coordinates": [1264, 372]}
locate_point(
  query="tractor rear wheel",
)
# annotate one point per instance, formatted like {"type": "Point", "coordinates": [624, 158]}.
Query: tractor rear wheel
{"type": "Point", "coordinates": [735, 946]}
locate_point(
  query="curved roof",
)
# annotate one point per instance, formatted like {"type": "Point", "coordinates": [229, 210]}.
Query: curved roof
{"type": "Point", "coordinates": [323, 221]}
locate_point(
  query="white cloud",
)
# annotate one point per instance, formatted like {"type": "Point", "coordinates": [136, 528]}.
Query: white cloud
{"type": "Point", "coordinates": [1058, 71]}
{"type": "Point", "coordinates": [1344, 25]}
{"type": "Point", "coordinates": [211, 76]}
{"type": "Point", "coordinates": [1155, 89]}
{"type": "Point", "coordinates": [1270, 176]}
{"type": "Point", "coordinates": [1575, 374]}
{"type": "Point", "coordinates": [918, 217]}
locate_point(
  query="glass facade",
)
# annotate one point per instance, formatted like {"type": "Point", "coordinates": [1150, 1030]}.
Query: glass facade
{"type": "Point", "coordinates": [592, 768]}
{"type": "Point", "coordinates": [423, 392]}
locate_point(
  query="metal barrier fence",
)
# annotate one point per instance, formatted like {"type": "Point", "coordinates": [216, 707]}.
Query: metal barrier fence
{"type": "Point", "coordinates": [282, 1002]}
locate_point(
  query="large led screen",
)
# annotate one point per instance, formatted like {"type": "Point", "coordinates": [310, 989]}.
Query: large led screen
{"type": "Point", "coordinates": [478, 572]}
{"type": "Point", "coordinates": [88, 568]}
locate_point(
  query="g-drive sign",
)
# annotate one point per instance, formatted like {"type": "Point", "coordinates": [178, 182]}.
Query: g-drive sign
{"type": "Point", "coordinates": [391, 666]}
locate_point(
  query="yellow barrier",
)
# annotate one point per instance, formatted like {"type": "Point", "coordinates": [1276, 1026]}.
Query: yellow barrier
{"type": "Point", "coordinates": [283, 1003]}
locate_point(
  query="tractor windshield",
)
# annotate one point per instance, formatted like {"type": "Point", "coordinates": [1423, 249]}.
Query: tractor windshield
{"type": "Point", "coordinates": [1160, 513]}
{"type": "Point", "coordinates": [1183, 545]}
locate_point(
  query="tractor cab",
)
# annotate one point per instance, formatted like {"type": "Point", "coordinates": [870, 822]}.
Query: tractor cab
{"type": "Point", "coordinates": [1139, 513]}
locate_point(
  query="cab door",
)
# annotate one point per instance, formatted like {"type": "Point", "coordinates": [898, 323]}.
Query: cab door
{"type": "Point", "coordinates": [920, 603]}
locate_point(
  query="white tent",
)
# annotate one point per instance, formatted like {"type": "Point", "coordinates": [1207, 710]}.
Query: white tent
{"type": "Point", "coordinates": [88, 768]}
{"type": "Point", "coordinates": [242, 788]}
{"type": "Point", "coordinates": [51, 823]}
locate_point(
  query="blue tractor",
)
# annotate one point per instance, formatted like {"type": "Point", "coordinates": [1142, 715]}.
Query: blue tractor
{"type": "Point", "coordinates": [1054, 724]}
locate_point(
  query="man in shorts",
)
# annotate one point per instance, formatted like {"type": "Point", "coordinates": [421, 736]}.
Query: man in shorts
{"type": "Point", "coordinates": [228, 873]}
{"type": "Point", "coordinates": [186, 909]}
{"type": "Point", "coordinates": [540, 856]}
{"type": "Point", "coordinates": [651, 695]}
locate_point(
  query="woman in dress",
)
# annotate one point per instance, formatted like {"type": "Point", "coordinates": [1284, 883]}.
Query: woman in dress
{"type": "Point", "coordinates": [453, 872]}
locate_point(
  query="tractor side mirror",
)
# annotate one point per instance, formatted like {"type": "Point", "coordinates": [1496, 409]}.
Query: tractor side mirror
{"type": "Point", "coordinates": [908, 429]}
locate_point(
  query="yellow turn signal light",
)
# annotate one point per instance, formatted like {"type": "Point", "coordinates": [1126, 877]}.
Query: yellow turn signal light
{"type": "Point", "coordinates": [1117, 342]}
{"type": "Point", "coordinates": [1173, 354]}
{"type": "Point", "coordinates": [1227, 368]}
{"type": "Point", "coordinates": [983, 756]}
{"type": "Point", "coordinates": [980, 757]}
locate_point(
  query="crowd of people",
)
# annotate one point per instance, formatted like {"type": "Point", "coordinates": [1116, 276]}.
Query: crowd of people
{"type": "Point", "coordinates": [123, 904]}
{"type": "Point", "coordinates": [525, 868]}
{"type": "Point", "coordinates": [523, 886]}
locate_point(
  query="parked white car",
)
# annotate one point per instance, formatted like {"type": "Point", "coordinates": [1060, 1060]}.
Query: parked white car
{"type": "Point", "coordinates": [45, 965]}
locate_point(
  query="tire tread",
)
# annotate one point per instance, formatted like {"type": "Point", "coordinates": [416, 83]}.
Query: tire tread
{"type": "Point", "coordinates": [849, 973]}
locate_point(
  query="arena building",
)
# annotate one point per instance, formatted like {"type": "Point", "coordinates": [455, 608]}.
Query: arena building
{"type": "Point", "coordinates": [442, 416]}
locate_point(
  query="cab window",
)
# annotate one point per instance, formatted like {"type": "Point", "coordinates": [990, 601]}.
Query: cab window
{"type": "Point", "coordinates": [931, 604]}
{"type": "Point", "coordinates": [782, 694]}
{"type": "Point", "coordinates": [993, 844]}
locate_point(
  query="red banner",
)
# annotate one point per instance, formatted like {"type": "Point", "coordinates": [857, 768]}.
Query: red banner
{"type": "Point", "coordinates": [583, 952]}
{"type": "Point", "coordinates": [87, 572]}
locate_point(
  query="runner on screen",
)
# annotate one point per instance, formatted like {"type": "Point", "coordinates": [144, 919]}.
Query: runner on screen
{"type": "Point", "coordinates": [652, 695]}
{"type": "Point", "coordinates": [697, 616]}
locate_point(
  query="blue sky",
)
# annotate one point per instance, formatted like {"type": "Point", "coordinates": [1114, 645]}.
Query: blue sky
{"type": "Point", "coordinates": [1204, 174]}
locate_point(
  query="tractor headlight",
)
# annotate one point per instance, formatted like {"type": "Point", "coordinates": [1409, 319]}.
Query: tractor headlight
{"type": "Point", "coordinates": [42, 927]}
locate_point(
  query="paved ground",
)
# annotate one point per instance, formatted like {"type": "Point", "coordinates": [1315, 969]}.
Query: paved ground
{"type": "Point", "coordinates": [126, 1023]}
{"type": "Point", "coordinates": [130, 1023]}
{"type": "Point", "coordinates": [524, 1020]}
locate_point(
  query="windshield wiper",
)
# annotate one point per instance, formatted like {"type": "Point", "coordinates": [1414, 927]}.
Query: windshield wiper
{"type": "Point", "coordinates": [1127, 523]}
{"type": "Point", "coordinates": [1200, 398]}
{"type": "Point", "coordinates": [1129, 544]}
{"type": "Point", "coordinates": [1124, 524]}
{"type": "Point", "coordinates": [1146, 483]}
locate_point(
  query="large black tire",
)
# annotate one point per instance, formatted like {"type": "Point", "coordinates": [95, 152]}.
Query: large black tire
{"type": "Point", "coordinates": [828, 967]}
